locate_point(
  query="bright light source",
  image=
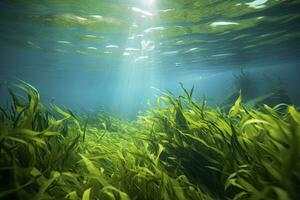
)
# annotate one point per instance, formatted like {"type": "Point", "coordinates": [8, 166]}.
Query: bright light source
{"type": "Point", "coordinates": [148, 2]}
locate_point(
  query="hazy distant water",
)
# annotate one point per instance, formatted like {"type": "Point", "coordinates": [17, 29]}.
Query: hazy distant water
{"type": "Point", "coordinates": [86, 54]}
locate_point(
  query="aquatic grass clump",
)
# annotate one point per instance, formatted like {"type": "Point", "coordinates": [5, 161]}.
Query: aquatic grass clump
{"type": "Point", "coordinates": [180, 149]}
{"type": "Point", "coordinates": [243, 154]}
{"type": "Point", "coordinates": [52, 154]}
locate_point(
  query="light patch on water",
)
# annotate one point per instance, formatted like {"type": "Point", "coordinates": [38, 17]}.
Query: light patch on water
{"type": "Point", "coordinates": [98, 17]}
{"type": "Point", "coordinates": [249, 46]}
{"type": "Point", "coordinates": [80, 52]}
{"type": "Point", "coordinates": [134, 25]}
{"type": "Point", "coordinates": [132, 49]}
{"type": "Point", "coordinates": [33, 45]}
{"type": "Point", "coordinates": [150, 48]}
{"type": "Point", "coordinates": [177, 64]}
{"type": "Point", "coordinates": [70, 18]}
{"type": "Point", "coordinates": [266, 35]}
{"type": "Point", "coordinates": [222, 54]}
{"type": "Point", "coordinates": [191, 50]}
{"type": "Point", "coordinates": [203, 77]}
{"type": "Point", "coordinates": [90, 36]}
{"type": "Point", "coordinates": [257, 4]}
{"type": "Point", "coordinates": [215, 24]}
{"type": "Point", "coordinates": [92, 48]}
{"type": "Point", "coordinates": [80, 18]}
{"type": "Point", "coordinates": [131, 38]}
{"type": "Point", "coordinates": [147, 45]}
{"type": "Point", "coordinates": [63, 42]}
{"type": "Point", "coordinates": [196, 60]}
{"type": "Point", "coordinates": [167, 10]}
{"type": "Point", "coordinates": [112, 46]}
{"type": "Point", "coordinates": [168, 53]}
{"type": "Point", "coordinates": [159, 28]}
{"type": "Point", "coordinates": [111, 20]}
{"type": "Point", "coordinates": [60, 50]}
{"type": "Point", "coordinates": [261, 17]}
{"type": "Point", "coordinates": [140, 35]}
{"type": "Point", "coordinates": [179, 42]}
{"type": "Point", "coordinates": [141, 58]}
{"type": "Point", "coordinates": [126, 54]}
{"type": "Point", "coordinates": [107, 52]}
{"type": "Point", "coordinates": [144, 12]}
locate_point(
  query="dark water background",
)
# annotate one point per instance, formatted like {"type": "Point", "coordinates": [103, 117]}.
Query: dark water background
{"type": "Point", "coordinates": [88, 55]}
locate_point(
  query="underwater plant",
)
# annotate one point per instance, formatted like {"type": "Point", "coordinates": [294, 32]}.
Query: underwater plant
{"type": "Point", "coordinates": [180, 149]}
{"type": "Point", "coordinates": [245, 82]}
{"type": "Point", "coordinates": [273, 93]}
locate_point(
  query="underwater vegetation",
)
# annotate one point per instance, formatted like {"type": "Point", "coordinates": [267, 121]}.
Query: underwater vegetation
{"type": "Point", "coordinates": [180, 149]}
{"type": "Point", "coordinates": [245, 84]}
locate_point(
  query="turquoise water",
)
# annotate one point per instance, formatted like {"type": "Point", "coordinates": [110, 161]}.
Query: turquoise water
{"type": "Point", "coordinates": [116, 55]}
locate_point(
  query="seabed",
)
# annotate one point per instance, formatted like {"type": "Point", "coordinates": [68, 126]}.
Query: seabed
{"type": "Point", "coordinates": [180, 149]}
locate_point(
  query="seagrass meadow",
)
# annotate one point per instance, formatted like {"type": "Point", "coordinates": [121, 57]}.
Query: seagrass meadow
{"type": "Point", "coordinates": [180, 149]}
{"type": "Point", "coordinates": [149, 100]}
